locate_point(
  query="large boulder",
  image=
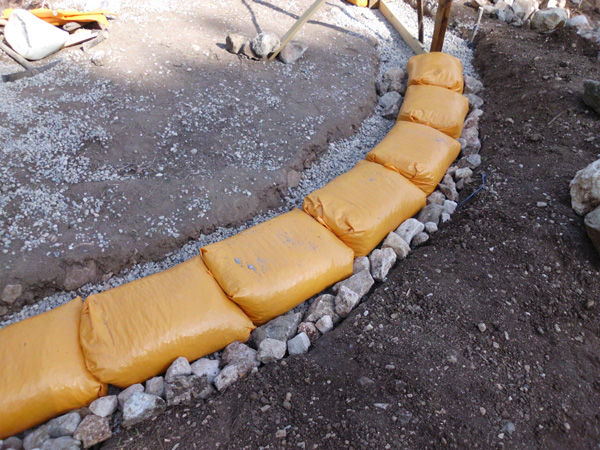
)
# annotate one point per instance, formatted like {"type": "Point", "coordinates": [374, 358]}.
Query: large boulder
{"type": "Point", "coordinates": [592, 226]}
{"type": "Point", "coordinates": [591, 94]}
{"type": "Point", "coordinates": [585, 189]}
{"type": "Point", "coordinates": [549, 19]}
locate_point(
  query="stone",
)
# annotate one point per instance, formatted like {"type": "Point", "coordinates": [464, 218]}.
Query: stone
{"type": "Point", "coordinates": [361, 263]}
{"type": "Point", "coordinates": [436, 198]}
{"type": "Point", "coordinates": [472, 85]}
{"type": "Point", "coordinates": [345, 301]}
{"type": "Point", "coordinates": [382, 261]}
{"type": "Point", "coordinates": [79, 274]}
{"type": "Point", "coordinates": [400, 88]}
{"type": "Point", "coordinates": [450, 206]}
{"type": "Point", "coordinates": [549, 19]}
{"type": "Point", "coordinates": [105, 406]}
{"type": "Point", "coordinates": [185, 390]}
{"type": "Point", "coordinates": [445, 217]}
{"type": "Point", "coordinates": [271, 350]}
{"type": "Point", "coordinates": [431, 213]}
{"type": "Point", "coordinates": [552, 4]}
{"type": "Point", "coordinates": [179, 368]}
{"type": "Point", "coordinates": [12, 443]}
{"type": "Point", "coordinates": [128, 392]}
{"type": "Point", "coordinates": [61, 443]}
{"type": "Point", "coordinates": [390, 105]}
{"type": "Point", "coordinates": [381, 88]}
{"type": "Point", "coordinates": [524, 8]}
{"type": "Point", "coordinates": [293, 178]}
{"type": "Point", "coordinates": [463, 173]}
{"type": "Point", "coordinates": [3, 310]}
{"type": "Point", "coordinates": [11, 293]}
{"type": "Point", "coordinates": [236, 352]}
{"type": "Point", "coordinates": [64, 425]}
{"type": "Point", "coordinates": [419, 239]}
{"type": "Point", "coordinates": [205, 367]}
{"type": "Point", "coordinates": [292, 52]}
{"type": "Point", "coordinates": [472, 120]}
{"type": "Point", "coordinates": [299, 344]}
{"type": "Point", "coordinates": [281, 328]}
{"type": "Point", "coordinates": [141, 406]}
{"type": "Point", "coordinates": [409, 229]}
{"type": "Point", "coordinates": [311, 331]}
{"type": "Point", "coordinates": [394, 75]}
{"type": "Point", "coordinates": [448, 187]}
{"type": "Point", "coordinates": [248, 52]}
{"type": "Point", "coordinates": [359, 283]}
{"type": "Point", "coordinates": [232, 373]}
{"type": "Point", "coordinates": [475, 101]}
{"type": "Point", "coordinates": [470, 161]}
{"type": "Point", "coordinates": [235, 42]}
{"type": "Point", "coordinates": [99, 58]}
{"type": "Point", "coordinates": [585, 189]}
{"type": "Point", "coordinates": [265, 44]}
{"type": "Point", "coordinates": [591, 94]}
{"type": "Point", "coordinates": [463, 143]}
{"type": "Point", "coordinates": [396, 243]}
{"type": "Point", "coordinates": [580, 22]}
{"type": "Point", "coordinates": [325, 324]}
{"type": "Point", "coordinates": [324, 305]}
{"type": "Point", "coordinates": [592, 227]}
{"type": "Point", "coordinates": [155, 386]}
{"type": "Point", "coordinates": [431, 228]}
{"type": "Point", "coordinates": [481, 326]}
{"type": "Point", "coordinates": [35, 438]}
{"type": "Point", "coordinates": [92, 430]}
{"type": "Point", "coordinates": [471, 137]}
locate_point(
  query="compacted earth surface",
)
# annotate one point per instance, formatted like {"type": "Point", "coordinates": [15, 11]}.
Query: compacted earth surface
{"type": "Point", "coordinates": [486, 337]}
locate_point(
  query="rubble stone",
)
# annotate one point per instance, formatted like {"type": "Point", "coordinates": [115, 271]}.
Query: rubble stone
{"type": "Point", "coordinates": [436, 198]}
{"type": "Point", "coordinates": [156, 386]}
{"type": "Point", "coordinates": [324, 305]}
{"type": "Point", "coordinates": [299, 344]}
{"type": "Point", "coordinates": [104, 406]}
{"type": "Point", "coordinates": [409, 229]}
{"type": "Point", "coordinates": [431, 213]}
{"type": "Point", "coordinates": [472, 85]}
{"type": "Point", "coordinates": [64, 425]}
{"type": "Point", "coordinates": [390, 105]}
{"type": "Point", "coordinates": [35, 438]}
{"type": "Point", "coordinates": [92, 430]}
{"type": "Point", "coordinates": [448, 187]}
{"type": "Point", "coordinates": [345, 301]}
{"type": "Point", "coordinates": [549, 19]}
{"type": "Point", "coordinates": [420, 239]}
{"type": "Point", "coordinates": [128, 392]}
{"type": "Point", "coordinates": [359, 283]}
{"type": "Point", "coordinates": [11, 293]}
{"type": "Point", "coordinates": [310, 330]}
{"type": "Point", "coordinates": [381, 262]}
{"type": "Point", "coordinates": [205, 367]}
{"type": "Point", "coordinates": [235, 42]}
{"type": "Point", "coordinates": [231, 373]}
{"type": "Point", "coordinates": [292, 52]}
{"type": "Point", "coordinates": [265, 44]}
{"type": "Point", "coordinates": [61, 443]}
{"type": "Point", "coordinates": [361, 263]}
{"type": "Point", "coordinates": [179, 367]}
{"type": "Point", "coordinates": [592, 227]}
{"type": "Point", "coordinates": [141, 406]}
{"type": "Point", "coordinates": [281, 328]}
{"type": "Point", "coordinates": [585, 189]}
{"type": "Point", "coordinates": [431, 228]}
{"type": "Point", "coordinates": [12, 443]}
{"type": "Point", "coordinates": [325, 324]}
{"type": "Point", "coordinates": [271, 350]}
{"type": "Point", "coordinates": [236, 352]}
{"type": "Point", "coordinates": [450, 206]}
{"type": "Point", "coordinates": [475, 101]}
{"type": "Point", "coordinates": [396, 243]}
{"type": "Point", "coordinates": [184, 390]}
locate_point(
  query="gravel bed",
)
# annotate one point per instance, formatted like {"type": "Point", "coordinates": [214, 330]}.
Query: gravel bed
{"type": "Point", "coordinates": [339, 158]}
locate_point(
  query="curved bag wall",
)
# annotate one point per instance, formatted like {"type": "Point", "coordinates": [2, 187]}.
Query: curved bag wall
{"type": "Point", "coordinates": [436, 69]}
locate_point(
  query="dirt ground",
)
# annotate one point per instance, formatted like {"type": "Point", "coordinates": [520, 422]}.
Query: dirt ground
{"type": "Point", "coordinates": [410, 369]}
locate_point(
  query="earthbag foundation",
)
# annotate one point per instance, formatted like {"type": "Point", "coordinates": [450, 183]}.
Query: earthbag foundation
{"type": "Point", "coordinates": [436, 69]}
{"type": "Point", "coordinates": [135, 331]}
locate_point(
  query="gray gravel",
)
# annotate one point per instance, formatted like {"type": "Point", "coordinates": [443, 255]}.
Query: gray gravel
{"type": "Point", "coordinates": [339, 158]}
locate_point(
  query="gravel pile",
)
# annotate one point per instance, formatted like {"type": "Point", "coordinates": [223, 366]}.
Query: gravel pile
{"type": "Point", "coordinates": [339, 158]}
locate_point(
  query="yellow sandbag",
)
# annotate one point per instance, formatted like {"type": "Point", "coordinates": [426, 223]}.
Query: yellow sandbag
{"type": "Point", "coordinates": [42, 371]}
{"type": "Point", "coordinates": [135, 331]}
{"type": "Point", "coordinates": [363, 205]}
{"type": "Point", "coordinates": [363, 3]}
{"type": "Point", "coordinates": [418, 152]}
{"type": "Point", "coordinates": [435, 107]}
{"type": "Point", "coordinates": [436, 69]}
{"type": "Point", "coordinates": [60, 17]}
{"type": "Point", "coordinates": [272, 267]}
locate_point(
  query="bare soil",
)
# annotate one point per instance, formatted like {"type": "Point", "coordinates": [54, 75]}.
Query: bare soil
{"type": "Point", "coordinates": [410, 368]}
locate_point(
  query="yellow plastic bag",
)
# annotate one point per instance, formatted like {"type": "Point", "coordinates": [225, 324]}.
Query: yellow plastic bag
{"type": "Point", "coordinates": [435, 107]}
{"type": "Point", "coordinates": [418, 152]}
{"type": "Point", "coordinates": [436, 69]}
{"type": "Point", "coordinates": [272, 267]}
{"type": "Point", "coordinates": [363, 3]}
{"type": "Point", "coordinates": [60, 17]}
{"type": "Point", "coordinates": [363, 205]}
{"type": "Point", "coordinates": [42, 371]}
{"type": "Point", "coordinates": [135, 331]}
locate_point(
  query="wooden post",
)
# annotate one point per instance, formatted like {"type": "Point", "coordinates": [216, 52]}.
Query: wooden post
{"type": "Point", "coordinates": [412, 42]}
{"type": "Point", "coordinates": [296, 27]}
{"type": "Point", "coordinates": [420, 19]}
{"type": "Point", "coordinates": [441, 23]}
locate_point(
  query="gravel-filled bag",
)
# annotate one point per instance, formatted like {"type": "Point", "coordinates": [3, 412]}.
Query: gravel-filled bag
{"type": "Point", "coordinates": [364, 204]}
{"type": "Point", "coordinates": [42, 370]}
{"type": "Point", "coordinates": [135, 331]}
{"type": "Point", "coordinates": [272, 267]}
{"type": "Point", "coordinates": [418, 152]}
{"type": "Point", "coordinates": [436, 69]}
{"type": "Point", "coordinates": [436, 107]}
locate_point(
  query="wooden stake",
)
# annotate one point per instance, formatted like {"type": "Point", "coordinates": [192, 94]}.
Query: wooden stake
{"type": "Point", "coordinates": [441, 23]}
{"type": "Point", "coordinates": [420, 19]}
{"type": "Point", "coordinates": [412, 42]}
{"type": "Point", "coordinates": [296, 27]}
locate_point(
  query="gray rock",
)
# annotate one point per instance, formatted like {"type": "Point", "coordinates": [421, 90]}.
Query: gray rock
{"type": "Point", "coordinates": [299, 344]}
{"type": "Point", "coordinates": [396, 243]}
{"type": "Point", "coordinates": [345, 301]}
{"type": "Point", "coordinates": [231, 373]}
{"type": "Point", "coordinates": [445, 217]}
{"type": "Point", "coordinates": [128, 392]}
{"type": "Point", "coordinates": [463, 143]}
{"type": "Point", "coordinates": [248, 52]}
{"type": "Point", "coordinates": [592, 227]}
{"type": "Point", "coordinates": [463, 173]}
{"type": "Point", "coordinates": [549, 19]}
{"type": "Point", "coordinates": [450, 206]}
{"type": "Point", "coordinates": [141, 406]}
{"type": "Point", "coordinates": [585, 189]}
{"type": "Point", "coordinates": [99, 58]}
{"type": "Point", "coordinates": [271, 350]}
{"type": "Point", "coordinates": [475, 101]}
{"type": "Point", "coordinates": [431, 228]}
{"type": "Point", "coordinates": [580, 22]}
{"type": "Point", "coordinates": [92, 430]}
{"type": "Point", "coordinates": [390, 105]}
{"type": "Point", "coordinates": [324, 305]}
{"type": "Point", "coordinates": [325, 324]}
{"type": "Point", "coordinates": [292, 52]}
{"type": "Point", "coordinates": [394, 75]}
{"type": "Point", "coordinates": [205, 367]}
{"type": "Point", "coordinates": [61, 443]}
{"type": "Point", "coordinates": [419, 239]}
{"type": "Point", "coordinates": [11, 293]}
{"type": "Point", "coordinates": [36, 438]}
{"type": "Point", "coordinates": [236, 352]}
{"type": "Point", "coordinates": [470, 161]}
{"type": "Point", "coordinates": [431, 213]}
{"type": "Point", "coordinates": [381, 87]}
{"type": "Point", "coordinates": [448, 187]}
{"type": "Point", "coordinates": [179, 368]}
{"type": "Point", "coordinates": [155, 386]}
{"type": "Point", "coordinates": [472, 85]}
{"type": "Point", "coordinates": [381, 262]}
{"type": "Point", "coordinates": [361, 263]}
{"type": "Point", "coordinates": [509, 428]}
{"type": "Point", "coordinates": [293, 178]}
{"type": "Point", "coordinates": [472, 120]}
{"type": "Point", "coordinates": [591, 94]}
{"type": "Point", "coordinates": [524, 8]}
{"type": "Point", "coordinates": [12, 443]}
{"type": "Point", "coordinates": [310, 330]}
{"type": "Point", "coordinates": [409, 229]}
{"type": "Point", "coordinates": [79, 274]}
{"type": "Point", "coordinates": [184, 390]}
{"type": "Point", "coordinates": [235, 42]}
{"type": "Point", "coordinates": [471, 138]}
{"type": "Point", "coordinates": [281, 328]}
{"type": "Point", "coordinates": [64, 425]}
{"type": "Point", "coordinates": [265, 44]}
{"type": "Point", "coordinates": [552, 4]}
{"type": "Point", "coordinates": [359, 283]}
{"type": "Point", "coordinates": [105, 406]}
{"type": "Point", "coordinates": [436, 198]}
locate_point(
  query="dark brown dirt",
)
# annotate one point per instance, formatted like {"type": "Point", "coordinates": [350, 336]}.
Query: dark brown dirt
{"type": "Point", "coordinates": [529, 273]}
